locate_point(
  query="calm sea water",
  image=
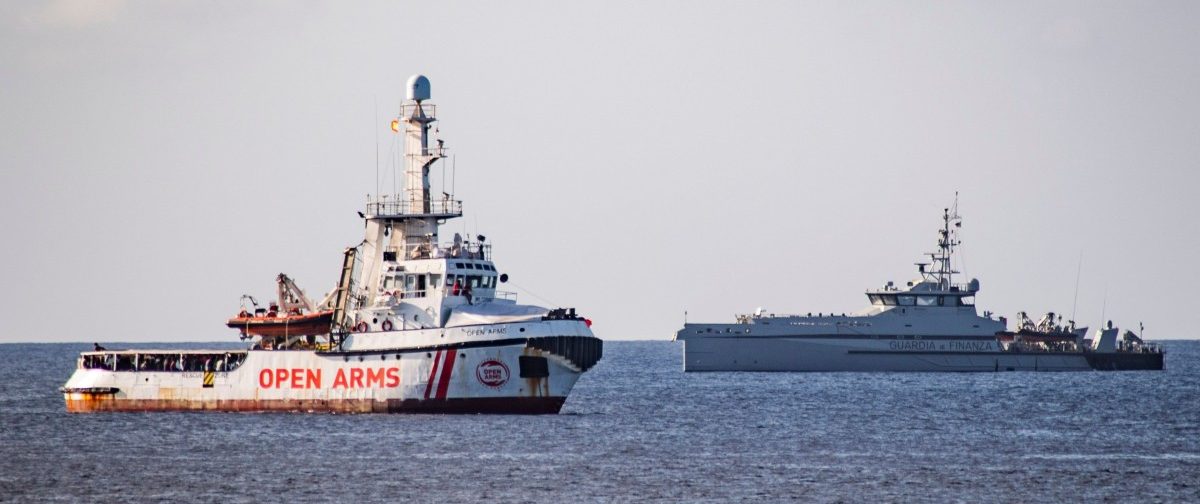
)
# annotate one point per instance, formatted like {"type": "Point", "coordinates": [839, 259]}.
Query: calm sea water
{"type": "Point", "coordinates": [636, 428]}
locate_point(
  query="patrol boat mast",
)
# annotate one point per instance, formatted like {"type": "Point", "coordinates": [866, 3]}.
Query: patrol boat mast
{"type": "Point", "coordinates": [943, 272]}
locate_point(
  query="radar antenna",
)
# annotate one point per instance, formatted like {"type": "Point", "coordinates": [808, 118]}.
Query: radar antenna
{"type": "Point", "coordinates": [943, 270]}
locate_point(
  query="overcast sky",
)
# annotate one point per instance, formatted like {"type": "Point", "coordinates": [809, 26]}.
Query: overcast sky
{"type": "Point", "coordinates": [633, 160]}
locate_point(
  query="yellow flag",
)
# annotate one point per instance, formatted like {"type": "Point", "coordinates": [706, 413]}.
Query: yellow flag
{"type": "Point", "coordinates": [395, 125]}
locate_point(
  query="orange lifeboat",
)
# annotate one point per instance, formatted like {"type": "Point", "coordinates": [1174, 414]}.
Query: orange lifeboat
{"type": "Point", "coordinates": [273, 325]}
{"type": "Point", "coordinates": [293, 315]}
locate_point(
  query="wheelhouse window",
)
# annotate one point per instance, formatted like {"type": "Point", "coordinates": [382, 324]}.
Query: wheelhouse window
{"type": "Point", "coordinates": [906, 300]}
{"type": "Point", "coordinates": [888, 300]}
{"type": "Point", "coordinates": [874, 299]}
{"type": "Point", "coordinates": [927, 300]}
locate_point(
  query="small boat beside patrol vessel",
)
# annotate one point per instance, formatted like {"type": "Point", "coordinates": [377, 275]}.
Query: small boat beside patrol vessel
{"type": "Point", "coordinates": [414, 325]}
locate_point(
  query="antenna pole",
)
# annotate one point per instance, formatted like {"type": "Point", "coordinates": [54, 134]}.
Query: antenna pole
{"type": "Point", "coordinates": [375, 129]}
{"type": "Point", "coordinates": [1104, 307]}
{"type": "Point", "coordinates": [1078, 271]}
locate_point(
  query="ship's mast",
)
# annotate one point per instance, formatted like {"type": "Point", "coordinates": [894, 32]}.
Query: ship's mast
{"type": "Point", "coordinates": [417, 116]}
{"type": "Point", "coordinates": [947, 240]}
{"type": "Point", "coordinates": [405, 226]}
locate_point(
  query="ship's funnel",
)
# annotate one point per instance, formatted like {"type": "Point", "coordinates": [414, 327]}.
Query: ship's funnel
{"type": "Point", "coordinates": [418, 88]}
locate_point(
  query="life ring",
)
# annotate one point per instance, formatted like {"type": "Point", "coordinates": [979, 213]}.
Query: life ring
{"type": "Point", "coordinates": [387, 325]}
{"type": "Point", "coordinates": [361, 327]}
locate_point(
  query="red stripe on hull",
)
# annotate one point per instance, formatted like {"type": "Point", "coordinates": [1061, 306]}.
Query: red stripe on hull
{"type": "Point", "coordinates": [432, 373]}
{"type": "Point", "coordinates": [447, 370]}
{"type": "Point", "coordinates": [482, 405]}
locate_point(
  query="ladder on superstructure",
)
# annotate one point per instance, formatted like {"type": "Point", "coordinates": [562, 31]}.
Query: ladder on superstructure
{"type": "Point", "coordinates": [342, 296]}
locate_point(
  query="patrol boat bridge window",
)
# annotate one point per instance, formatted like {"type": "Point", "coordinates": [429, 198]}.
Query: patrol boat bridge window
{"type": "Point", "coordinates": [920, 300]}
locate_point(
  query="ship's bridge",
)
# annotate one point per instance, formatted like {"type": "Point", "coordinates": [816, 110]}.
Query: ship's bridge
{"type": "Point", "coordinates": [470, 276]}
{"type": "Point", "coordinates": [426, 248]}
{"type": "Point", "coordinates": [926, 293]}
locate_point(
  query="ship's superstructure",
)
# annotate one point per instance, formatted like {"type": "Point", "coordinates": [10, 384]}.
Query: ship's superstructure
{"type": "Point", "coordinates": [929, 324]}
{"type": "Point", "coordinates": [414, 324]}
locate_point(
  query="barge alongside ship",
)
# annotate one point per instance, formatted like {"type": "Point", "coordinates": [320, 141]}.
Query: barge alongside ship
{"type": "Point", "coordinates": [414, 325]}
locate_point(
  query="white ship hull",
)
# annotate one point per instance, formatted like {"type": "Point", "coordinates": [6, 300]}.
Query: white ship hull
{"type": "Point", "coordinates": [842, 353]}
{"type": "Point", "coordinates": [498, 374]}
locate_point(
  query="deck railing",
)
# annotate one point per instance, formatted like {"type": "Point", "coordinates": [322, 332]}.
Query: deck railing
{"type": "Point", "coordinates": [405, 208]}
{"type": "Point", "coordinates": [410, 109]}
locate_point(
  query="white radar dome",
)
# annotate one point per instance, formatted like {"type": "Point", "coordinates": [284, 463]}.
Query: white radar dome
{"type": "Point", "coordinates": [418, 88]}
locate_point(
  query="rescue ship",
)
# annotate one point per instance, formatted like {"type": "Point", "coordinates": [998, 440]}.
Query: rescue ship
{"type": "Point", "coordinates": [414, 325]}
{"type": "Point", "coordinates": [929, 324]}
